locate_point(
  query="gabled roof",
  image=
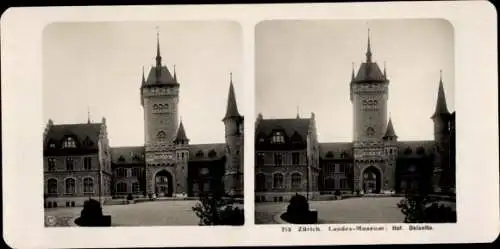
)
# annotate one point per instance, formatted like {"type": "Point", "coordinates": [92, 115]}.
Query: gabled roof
{"type": "Point", "coordinates": [290, 126]}
{"type": "Point", "coordinates": [127, 155]}
{"type": "Point", "coordinates": [81, 132]}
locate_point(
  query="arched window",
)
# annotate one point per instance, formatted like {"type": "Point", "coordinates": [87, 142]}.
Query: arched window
{"type": "Point", "coordinates": [278, 137]}
{"type": "Point", "coordinates": [260, 182]}
{"type": "Point", "coordinates": [51, 164]}
{"type": "Point", "coordinates": [121, 187]}
{"type": "Point", "coordinates": [70, 186]}
{"type": "Point", "coordinates": [52, 186]}
{"type": "Point", "coordinates": [161, 135]}
{"type": "Point", "coordinates": [420, 150]}
{"type": "Point", "coordinates": [69, 143]}
{"type": "Point", "coordinates": [296, 180]}
{"type": "Point", "coordinates": [370, 131]}
{"type": "Point", "coordinates": [88, 185]}
{"type": "Point", "coordinates": [278, 180]}
{"type": "Point", "coordinates": [155, 107]}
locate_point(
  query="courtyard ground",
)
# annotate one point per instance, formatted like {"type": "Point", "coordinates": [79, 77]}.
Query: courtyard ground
{"type": "Point", "coordinates": [352, 210]}
{"type": "Point", "coordinates": [154, 213]}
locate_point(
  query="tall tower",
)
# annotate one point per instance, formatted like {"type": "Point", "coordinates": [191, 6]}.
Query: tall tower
{"type": "Point", "coordinates": [233, 122]}
{"type": "Point", "coordinates": [369, 95]}
{"type": "Point", "coordinates": [159, 99]}
{"type": "Point", "coordinates": [441, 119]}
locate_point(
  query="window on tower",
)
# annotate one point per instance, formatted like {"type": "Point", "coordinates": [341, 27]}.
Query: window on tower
{"type": "Point", "coordinates": [370, 131]}
{"type": "Point", "coordinates": [161, 135]}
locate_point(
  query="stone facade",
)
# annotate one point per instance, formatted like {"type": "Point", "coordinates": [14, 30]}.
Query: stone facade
{"type": "Point", "coordinates": [166, 165]}
{"type": "Point", "coordinates": [374, 162]}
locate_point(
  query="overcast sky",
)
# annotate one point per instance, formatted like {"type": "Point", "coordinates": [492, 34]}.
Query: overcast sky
{"type": "Point", "coordinates": [99, 65]}
{"type": "Point", "coordinates": [309, 63]}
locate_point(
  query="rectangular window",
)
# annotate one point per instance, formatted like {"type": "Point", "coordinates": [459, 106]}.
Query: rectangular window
{"type": "Point", "coordinates": [295, 158]}
{"type": "Point", "coordinates": [69, 163]}
{"type": "Point", "coordinates": [136, 188]}
{"type": "Point", "coordinates": [278, 159]}
{"type": "Point", "coordinates": [87, 163]}
{"type": "Point", "coordinates": [343, 183]}
{"type": "Point", "coordinates": [259, 160]}
{"type": "Point", "coordinates": [342, 168]}
{"type": "Point", "coordinates": [51, 164]}
{"type": "Point", "coordinates": [135, 172]}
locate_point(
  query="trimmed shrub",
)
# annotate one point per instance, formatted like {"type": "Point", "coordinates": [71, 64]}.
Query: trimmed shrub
{"type": "Point", "coordinates": [298, 211]}
{"type": "Point", "coordinates": [338, 193]}
{"type": "Point", "coordinates": [129, 197]}
{"type": "Point", "coordinates": [91, 215]}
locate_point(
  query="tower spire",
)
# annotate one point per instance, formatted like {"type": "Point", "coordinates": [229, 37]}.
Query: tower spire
{"type": "Point", "coordinates": [158, 57]}
{"type": "Point", "coordinates": [385, 72]}
{"type": "Point", "coordinates": [390, 129]}
{"type": "Point", "coordinates": [175, 74]}
{"type": "Point", "coordinates": [232, 108]}
{"type": "Point", "coordinates": [143, 78]}
{"type": "Point", "coordinates": [181, 134]}
{"type": "Point", "coordinates": [369, 49]}
{"type": "Point", "coordinates": [441, 107]}
{"type": "Point", "coordinates": [352, 74]}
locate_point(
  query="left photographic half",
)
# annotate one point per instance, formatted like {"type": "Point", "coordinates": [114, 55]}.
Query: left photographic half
{"type": "Point", "coordinates": [143, 126]}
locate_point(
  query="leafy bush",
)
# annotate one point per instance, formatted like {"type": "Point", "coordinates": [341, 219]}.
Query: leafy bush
{"type": "Point", "coordinates": [421, 209]}
{"type": "Point", "coordinates": [358, 192]}
{"type": "Point", "coordinates": [129, 197]}
{"type": "Point", "coordinates": [214, 210]}
{"type": "Point", "coordinates": [338, 193]}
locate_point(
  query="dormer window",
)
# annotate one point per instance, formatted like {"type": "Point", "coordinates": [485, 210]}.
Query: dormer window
{"type": "Point", "coordinates": [52, 145]}
{"type": "Point", "coordinates": [69, 143]}
{"type": "Point", "coordinates": [278, 138]}
{"type": "Point", "coordinates": [199, 153]}
{"type": "Point", "coordinates": [121, 159]}
{"type": "Point", "coordinates": [420, 150]}
{"type": "Point", "coordinates": [329, 154]}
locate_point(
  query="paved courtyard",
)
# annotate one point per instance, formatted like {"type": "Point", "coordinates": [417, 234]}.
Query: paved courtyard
{"type": "Point", "coordinates": [155, 213]}
{"type": "Point", "coordinates": [352, 210]}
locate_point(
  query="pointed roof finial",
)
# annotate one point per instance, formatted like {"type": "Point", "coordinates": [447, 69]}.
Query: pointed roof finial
{"type": "Point", "coordinates": [441, 76]}
{"type": "Point", "coordinates": [298, 115]}
{"type": "Point", "coordinates": [231, 77]}
{"type": "Point", "coordinates": [88, 115]}
{"type": "Point", "coordinates": [369, 49]}
{"type": "Point", "coordinates": [158, 54]}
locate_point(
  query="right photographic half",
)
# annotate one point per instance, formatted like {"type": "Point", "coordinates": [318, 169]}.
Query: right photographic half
{"type": "Point", "coordinates": [355, 122]}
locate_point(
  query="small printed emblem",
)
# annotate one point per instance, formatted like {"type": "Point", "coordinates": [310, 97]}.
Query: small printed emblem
{"type": "Point", "coordinates": [50, 220]}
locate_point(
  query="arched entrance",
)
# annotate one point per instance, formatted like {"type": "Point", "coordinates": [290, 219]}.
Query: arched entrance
{"type": "Point", "coordinates": [372, 180]}
{"type": "Point", "coordinates": [163, 184]}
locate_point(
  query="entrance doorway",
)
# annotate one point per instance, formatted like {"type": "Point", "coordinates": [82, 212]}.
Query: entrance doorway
{"type": "Point", "coordinates": [163, 184]}
{"type": "Point", "coordinates": [371, 180]}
